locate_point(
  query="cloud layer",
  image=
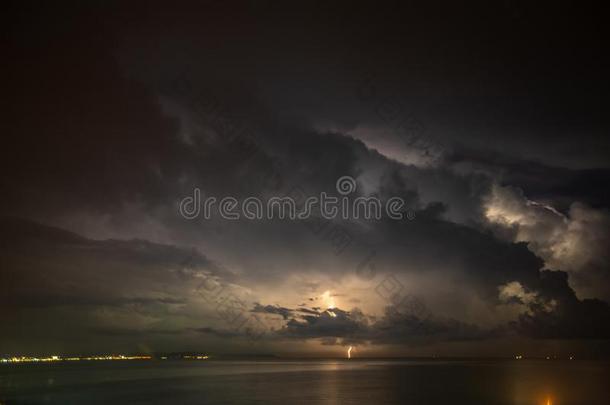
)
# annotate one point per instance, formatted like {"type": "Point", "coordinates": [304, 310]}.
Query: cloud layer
{"type": "Point", "coordinates": [112, 124]}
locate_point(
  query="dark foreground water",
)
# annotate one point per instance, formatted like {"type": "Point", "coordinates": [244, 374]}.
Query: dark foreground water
{"type": "Point", "coordinates": [307, 382]}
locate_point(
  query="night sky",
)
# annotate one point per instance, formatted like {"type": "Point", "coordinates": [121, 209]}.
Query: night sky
{"type": "Point", "coordinates": [489, 120]}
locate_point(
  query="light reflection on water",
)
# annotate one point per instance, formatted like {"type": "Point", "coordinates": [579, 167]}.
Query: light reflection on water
{"type": "Point", "coordinates": [329, 382]}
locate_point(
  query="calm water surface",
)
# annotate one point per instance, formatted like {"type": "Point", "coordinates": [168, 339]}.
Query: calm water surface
{"type": "Point", "coordinates": [308, 382]}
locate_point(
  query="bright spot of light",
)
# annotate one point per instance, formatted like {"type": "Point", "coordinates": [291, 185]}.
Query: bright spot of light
{"type": "Point", "coordinates": [349, 353]}
{"type": "Point", "coordinates": [329, 301]}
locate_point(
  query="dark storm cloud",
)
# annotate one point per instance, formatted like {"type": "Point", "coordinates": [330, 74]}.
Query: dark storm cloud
{"type": "Point", "coordinates": [396, 326]}
{"type": "Point", "coordinates": [558, 185]}
{"type": "Point", "coordinates": [332, 323]}
{"type": "Point", "coordinates": [132, 149]}
{"type": "Point", "coordinates": [285, 313]}
{"type": "Point", "coordinates": [430, 243]}
{"type": "Point", "coordinates": [74, 272]}
{"type": "Point", "coordinates": [46, 267]}
{"type": "Point", "coordinates": [568, 317]}
{"type": "Point", "coordinates": [116, 118]}
{"type": "Point", "coordinates": [313, 311]}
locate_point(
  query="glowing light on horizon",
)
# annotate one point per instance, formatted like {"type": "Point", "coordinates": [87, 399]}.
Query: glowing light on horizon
{"type": "Point", "coordinates": [329, 301]}
{"type": "Point", "coordinates": [548, 401]}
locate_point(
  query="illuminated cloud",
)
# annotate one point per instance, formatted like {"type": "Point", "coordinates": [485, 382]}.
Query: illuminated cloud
{"type": "Point", "coordinates": [575, 242]}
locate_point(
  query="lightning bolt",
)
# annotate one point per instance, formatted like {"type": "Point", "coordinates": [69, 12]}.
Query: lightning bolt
{"type": "Point", "coordinates": [349, 353]}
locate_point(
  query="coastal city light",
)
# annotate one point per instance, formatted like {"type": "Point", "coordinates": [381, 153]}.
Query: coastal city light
{"type": "Point", "coordinates": [30, 359]}
{"type": "Point", "coordinates": [196, 357]}
{"type": "Point", "coordinates": [103, 357]}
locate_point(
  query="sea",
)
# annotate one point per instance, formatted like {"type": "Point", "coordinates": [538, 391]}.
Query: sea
{"type": "Point", "coordinates": [417, 382]}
